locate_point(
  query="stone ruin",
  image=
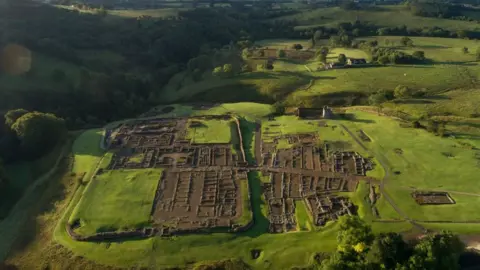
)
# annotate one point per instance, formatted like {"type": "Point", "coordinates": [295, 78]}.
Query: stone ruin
{"type": "Point", "coordinates": [432, 197]}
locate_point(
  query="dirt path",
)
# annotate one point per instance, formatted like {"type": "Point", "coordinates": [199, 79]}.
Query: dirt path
{"type": "Point", "coordinates": [382, 160]}
{"type": "Point", "coordinates": [10, 227]}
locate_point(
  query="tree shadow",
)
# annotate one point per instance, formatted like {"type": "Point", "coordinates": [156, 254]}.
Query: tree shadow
{"type": "Point", "coordinates": [351, 117]}
{"type": "Point", "coordinates": [413, 101]}
{"type": "Point", "coordinates": [260, 221]}
{"type": "Point", "coordinates": [458, 63]}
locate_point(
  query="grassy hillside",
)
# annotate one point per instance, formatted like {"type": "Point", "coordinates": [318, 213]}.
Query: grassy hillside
{"type": "Point", "coordinates": [251, 86]}
{"type": "Point", "coordinates": [382, 16]}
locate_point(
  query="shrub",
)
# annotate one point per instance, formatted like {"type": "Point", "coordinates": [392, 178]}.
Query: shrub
{"type": "Point", "coordinates": [403, 91]}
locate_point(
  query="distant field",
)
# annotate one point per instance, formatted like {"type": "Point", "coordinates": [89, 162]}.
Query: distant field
{"type": "Point", "coordinates": [117, 199]}
{"type": "Point", "coordinates": [457, 102]}
{"type": "Point", "coordinates": [154, 13]}
{"type": "Point", "coordinates": [253, 86]}
{"type": "Point", "coordinates": [387, 16]}
{"type": "Point", "coordinates": [440, 50]}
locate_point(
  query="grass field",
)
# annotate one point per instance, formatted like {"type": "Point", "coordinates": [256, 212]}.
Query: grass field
{"type": "Point", "coordinates": [386, 16]}
{"type": "Point", "coordinates": [253, 86]}
{"type": "Point", "coordinates": [117, 200]}
{"type": "Point", "coordinates": [304, 218]}
{"type": "Point", "coordinates": [212, 131]}
{"type": "Point", "coordinates": [246, 205]}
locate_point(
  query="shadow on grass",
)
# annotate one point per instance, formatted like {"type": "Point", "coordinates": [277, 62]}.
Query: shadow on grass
{"type": "Point", "coordinates": [413, 101]}
{"type": "Point", "coordinates": [260, 221]}
{"type": "Point", "coordinates": [353, 118]}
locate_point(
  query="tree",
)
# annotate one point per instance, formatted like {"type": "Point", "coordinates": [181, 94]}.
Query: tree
{"type": "Point", "coordinates": [322, 58]}
{"type": "Point", "coordinates": [402, 91]}
{"type": "Point", "coordinates": [322, 53]}
{"type": "Point", "coordinates": [462, 34]}
{"type": "Point", "coordinates": [279, 108]}
{"type": "Point", "coordinates": [281, 54]}
{"type": "Point", "coordinates": [358, 248]}
{"type": "Point", "coordinates": [388, 250]}
{"type": "Point", "coordinates": [406, 41]}
{"type": "Point", "coordinates": [376, 99]}
{"type": "Point", "coordinates": [58, 75]}
{"type": "Point", "coordinates": [217, 71]}
{"type": "Point", "coordinates": [342, 59]}
{"type": "Point", "coordinates": [228, 69]}
{"type": "Point", "coordinates": [420, 55]}
{"type": "Point", "coordinates": [39, 132]}
{"type": "Point", "coordinates": [383, 60]}
{"type": "Point", "coordinates": [439, 251]}
{"type": "Point", "coordinates": [297, 46]}
{"type": "Point", "coordinates": [465, 50]}
{"type": "Point", "coordinates": [373, 43]}
{"type": "Point", "coordinates": [12, 116]}
{"type": "Point", "coordinates": [353, 230]}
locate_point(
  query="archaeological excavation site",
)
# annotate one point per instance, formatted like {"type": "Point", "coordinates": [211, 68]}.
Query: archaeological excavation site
{"type": "Point", "coordinates": [204, 185]}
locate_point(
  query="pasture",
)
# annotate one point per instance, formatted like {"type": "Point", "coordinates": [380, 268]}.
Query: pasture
{"type": "Point", "coordinates": [384, 16]}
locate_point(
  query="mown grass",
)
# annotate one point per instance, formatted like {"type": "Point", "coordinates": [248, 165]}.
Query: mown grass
{"type": "Point", "coordinates": [211, 131]}
{"type": "Point", "coordinates": [464, 209]}
{"type": "Point", "coordinates": [303, 217]}
{"type": "Point", "coordinates": [247, 215]}
{"type": "Point", "coordinates": [117, 200]}
{"type": "Point", "coordinates": [422, 165]}
{"type": "Point", "coordinates": [386, 16]}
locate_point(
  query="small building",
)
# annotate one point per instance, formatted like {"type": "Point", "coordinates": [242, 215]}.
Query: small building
{"type": "Point", "coordinates": [334, 65]}
{"type": "Point", "coordinates": [314, 113]}
{"type": "Point", "coordinates": [356, 61]}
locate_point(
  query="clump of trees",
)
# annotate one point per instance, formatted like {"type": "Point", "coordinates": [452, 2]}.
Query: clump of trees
{"type": "Point", "coordinates": [359, 248]}
{"type": "Point", "coordinates": [29, 135]}
{"type": "Point", "coordinates": [389, 55]}
{"type": "Point", "coordinates": [406, 41]}
{"type": "Point", "coordinates": [223, 71]}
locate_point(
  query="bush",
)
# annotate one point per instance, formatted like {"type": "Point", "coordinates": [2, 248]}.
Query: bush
{"type": "Point", "coordinates": [281, 54]}
{"type": "Point", "coordinates": [342, 59]}
{"type": "Point", "coordinates": [420, 55]}
{"type": "Point", "coordinates": [403, 91]}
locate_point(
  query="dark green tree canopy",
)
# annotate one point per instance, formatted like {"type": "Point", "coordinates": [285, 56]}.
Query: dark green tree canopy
{"type": "Point", "coordinates": [12, 116]}
{"type": "Point", "coordinates": [38, 132]}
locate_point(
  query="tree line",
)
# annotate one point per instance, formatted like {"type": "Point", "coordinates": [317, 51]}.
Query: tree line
{"type": "Point", "coordinates": [358, 248]}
